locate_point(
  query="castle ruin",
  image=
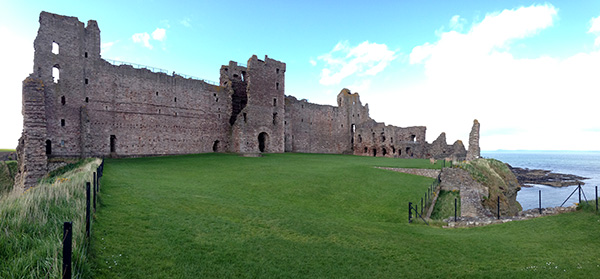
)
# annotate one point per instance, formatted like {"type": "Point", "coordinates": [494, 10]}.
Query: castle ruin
{"type": "Point", "coordinates": [77, 105]}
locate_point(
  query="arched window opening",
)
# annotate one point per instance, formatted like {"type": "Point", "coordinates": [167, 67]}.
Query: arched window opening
{"type": "Point", "coordinates": [413, 138]}
{"type": "Point", "coordinates": [216, 146]}
{"type": "Point", "coordinates": [87, 100]}
{"type": "Point", "coordinates": [274, 118]}
{"type": "Point", "coordinates": [382, 137]}
{"type": "Point", "coordinates": [48, 147]}
{"type": "Point", "coordinates": [55, 47]}
{"type": "Point", "coordinates": [374, 152]}
{"type": "Point", "coordinates": [383, 151]}
{"type": "Point", "coordinates": [63, 101]}
{"type": "Point", "coordinates": [55, 73]}
{"type": "Point", "coordinates": [62, 122]}
{"type": "Point", "coordinates": [359, 139]}
{"type": "Point", "coordinates": [366, 150]}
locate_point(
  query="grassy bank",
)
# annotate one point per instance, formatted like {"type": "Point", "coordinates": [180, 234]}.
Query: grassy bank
{"type": "Point", "coordinates": [7, 150]}
{"type": "Point", "coordinates": [8, 170]}
{"type": "Point", "coordinates": [31, 226]}
{"type": "Point", "coordinates": [444, 206]}
{"type": "Point", "coordinates": [310, 216]}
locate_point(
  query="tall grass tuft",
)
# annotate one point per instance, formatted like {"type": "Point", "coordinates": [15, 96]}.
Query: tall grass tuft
{"type": "Point", "coordinates": [31, 226]}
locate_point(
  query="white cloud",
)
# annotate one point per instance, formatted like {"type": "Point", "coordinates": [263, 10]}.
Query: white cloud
{"type": "Point", "coordinates": [160, 34]}
{"type": "Point", "coordinates": [312, 62]}
{"type": "Point", "coordinates": [143, 38]}
{"type": "Point", "coordinates": [477, 72]}
{"type": "Point", "coordinates": [366, 59]}
{"type": "Point", "coordinates": [594, 25]}
{"type": "Point", "coordinates": [18, 64]}
{"type": "Point", "coordinates": [105, 47]}
{"type": "Point", "coordinates": [457, 23]}
{"type": "Point", "coordinates": [595, 29]}
{"type": "Point", "coordinates": [186, 22]}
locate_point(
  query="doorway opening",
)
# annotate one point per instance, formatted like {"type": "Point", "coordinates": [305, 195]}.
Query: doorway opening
{"type": "Point", "coordinates": [263, 140]}
{"type": "Point", "coordinates": [113, 144]}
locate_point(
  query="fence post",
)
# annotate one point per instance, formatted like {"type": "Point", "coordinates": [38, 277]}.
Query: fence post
{"type": "Point", "coordinates": [596, 198]}
{"type": "Point", "coordinates": [579, 189]}
{"type": "Point", "coordinates": [455, 208]}
{"type": "Point", "coordinates": [498, 207]}
{"type": "Point", "coordinates": [421, 206]}
{"type": "Point", "coordinates": [409, 212]}
{"type": "Point", "coordinates": [67, 249]}
{"type": "Point", "coordinates": [87, 209]}
{"type": "Point", "coordinates": [540, 201]}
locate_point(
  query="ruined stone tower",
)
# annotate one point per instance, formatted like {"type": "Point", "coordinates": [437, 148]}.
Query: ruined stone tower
{"type": "Point", "coordinates": [474, 151]}
{"type": "Point", "coordinates": [76, 105]}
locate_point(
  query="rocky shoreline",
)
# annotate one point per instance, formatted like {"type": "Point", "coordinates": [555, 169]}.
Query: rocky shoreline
{"type": "Point", "coordinates": [526, 177]}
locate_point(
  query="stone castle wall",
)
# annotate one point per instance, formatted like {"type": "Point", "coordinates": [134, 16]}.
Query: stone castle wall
{"type": "Point", "coordinates": [76, 104]}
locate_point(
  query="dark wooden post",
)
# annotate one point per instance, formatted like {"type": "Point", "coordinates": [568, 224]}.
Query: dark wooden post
{"type": "Point", "coordinates": [596, 198]}
{"type": "Point", "coordinates": [409, 212]}
{"type": "Point", "coordinates": [67, 249]}
{"type": "Point", "coordinates": [421, 206]}
{"type": "Point", "coordinates": [579, 189]}
{"type": "Point", "coordinates": [540, 202]}
{"type": "Point", "coordinates": [455, 208]}
{"type": "Point", "coordinates": [87, 209]}
{"type": "Point", "coordinates": [498, 207]}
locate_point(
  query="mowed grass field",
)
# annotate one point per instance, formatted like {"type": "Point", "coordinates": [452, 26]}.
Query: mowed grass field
{"type": "Point", "coordinates": [310, 216]}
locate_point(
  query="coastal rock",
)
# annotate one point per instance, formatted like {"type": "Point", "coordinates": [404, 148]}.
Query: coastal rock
{"type": "Point", "coordinates": [545, 177]}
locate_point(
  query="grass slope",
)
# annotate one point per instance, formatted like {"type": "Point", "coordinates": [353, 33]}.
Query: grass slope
{"type": "Point", "coordinates": [31, 226]}
{"type": "Point", "coordinates": [310, 216]}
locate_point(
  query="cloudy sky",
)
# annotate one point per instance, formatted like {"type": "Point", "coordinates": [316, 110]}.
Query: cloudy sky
{"type": "Point", "coordinates": [528, 71]}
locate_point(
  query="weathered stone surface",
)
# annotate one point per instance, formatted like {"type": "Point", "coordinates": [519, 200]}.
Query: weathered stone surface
{"type": "Point", "coordinates": [464, 222]}
{"type": "Point", "coordinates": [422, 172]}
{"type": "Point", "coordinates": [472, 193]}
{"type": "Point", "coordinates": [474, 151]}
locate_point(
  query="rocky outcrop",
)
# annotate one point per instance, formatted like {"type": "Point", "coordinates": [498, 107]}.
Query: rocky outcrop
{"type": "Point", "coordinates": [474, 151]}
{"type": "Point", "coordinates": [545, 177]}
{"type": "Point", "coordinates": [500, 182]}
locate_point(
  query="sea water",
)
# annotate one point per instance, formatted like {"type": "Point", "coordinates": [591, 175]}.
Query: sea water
{"type": "Point", "coordinates": [582, 163]}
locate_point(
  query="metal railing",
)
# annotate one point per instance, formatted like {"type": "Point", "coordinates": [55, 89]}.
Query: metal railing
{"type": "Point", "coordinates": [157, 70]}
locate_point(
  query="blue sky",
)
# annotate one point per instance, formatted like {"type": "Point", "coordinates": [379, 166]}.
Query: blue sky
{"type": "Point", "coordinates": [528, 71]}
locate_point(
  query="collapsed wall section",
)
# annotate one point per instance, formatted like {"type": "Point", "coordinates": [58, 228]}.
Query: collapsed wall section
{"type": "Point", "coordinates": [312, 128]}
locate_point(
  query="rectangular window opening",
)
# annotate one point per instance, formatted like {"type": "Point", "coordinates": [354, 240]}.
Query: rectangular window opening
{"type": "Point", "coordinates": [55, 48]}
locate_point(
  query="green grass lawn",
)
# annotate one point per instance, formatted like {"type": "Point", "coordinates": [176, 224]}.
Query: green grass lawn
{"type": "Point", "coordinates": [310, 216]}
{"type": "Point", "coordinates": [7, 150]}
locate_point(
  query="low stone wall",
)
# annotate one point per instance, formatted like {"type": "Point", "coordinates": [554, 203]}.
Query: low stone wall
{"type": "Point", "coordinates": [422, 172]}
{"type": "Point", "coordinates": [471, 192]}
{"type": "Point", "coordinates": [467, 222]}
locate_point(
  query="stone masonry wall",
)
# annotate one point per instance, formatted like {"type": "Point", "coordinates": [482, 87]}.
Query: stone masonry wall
{"type": "Point", "coordinates": [76, 104]}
